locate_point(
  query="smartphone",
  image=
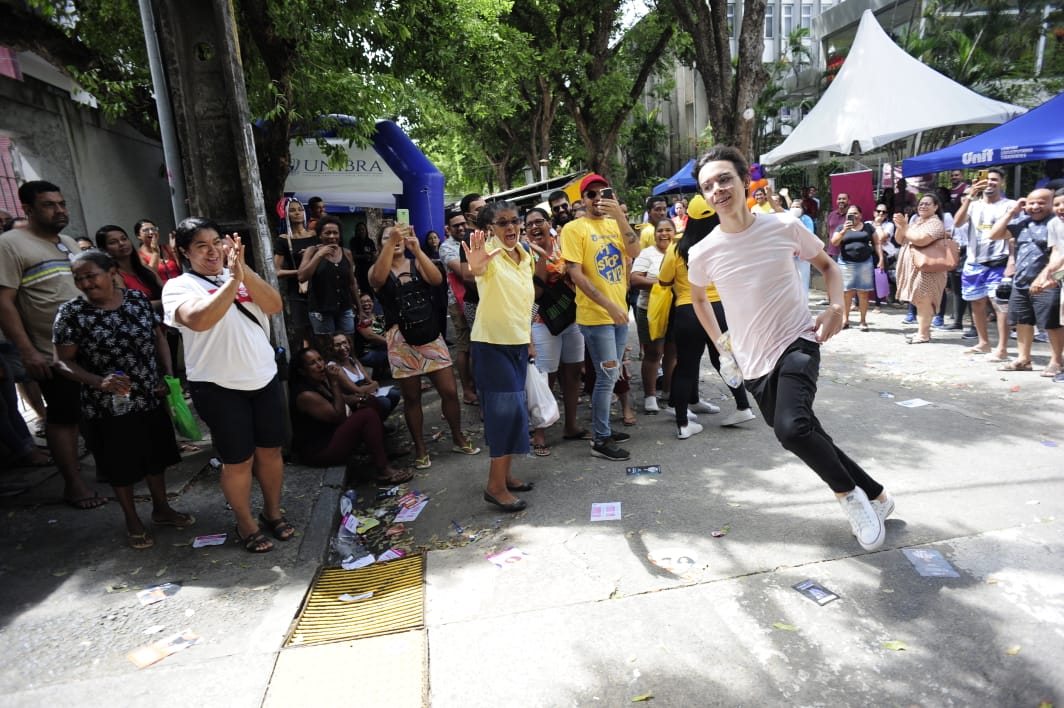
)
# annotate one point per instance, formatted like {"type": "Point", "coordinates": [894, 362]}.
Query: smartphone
{"type": "Point", "coordinates": [402, 216]}
{"type": "Point", "coordinates": [983, 174]}
{"type": "Point", "coordinates": [606, 193]}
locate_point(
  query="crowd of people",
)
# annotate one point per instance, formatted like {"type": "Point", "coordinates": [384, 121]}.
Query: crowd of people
{"type": "Point", "coordinates": [95, 325]}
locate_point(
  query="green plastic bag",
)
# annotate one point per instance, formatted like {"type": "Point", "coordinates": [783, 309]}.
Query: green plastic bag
{"type": "Point", "coordinates": [179, 412]}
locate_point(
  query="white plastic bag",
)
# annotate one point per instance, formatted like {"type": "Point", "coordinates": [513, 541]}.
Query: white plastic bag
{"type": "Point", "coordinates": [542, 408]}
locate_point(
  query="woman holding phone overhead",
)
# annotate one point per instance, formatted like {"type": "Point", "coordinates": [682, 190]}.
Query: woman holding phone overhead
{"type": "Point", "coordinates": [222, 308]}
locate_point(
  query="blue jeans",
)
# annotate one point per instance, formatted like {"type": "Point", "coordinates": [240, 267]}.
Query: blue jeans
{"type": "Point", "coordinates": [605, 344]}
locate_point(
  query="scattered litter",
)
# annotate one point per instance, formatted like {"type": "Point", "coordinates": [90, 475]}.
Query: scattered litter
{"type": "Point", "coordinates": [157, 593]}
{"type": "Point", "coordinates": [53, 521]}
{"type": "Point", "coordinates": [895, 646]}
{"type": "Point", "coordinates": [457, 527]}
{"type": "Point", "coordinates": [606, 511]}
{"type": "Point", "coordinates": [156, 651]}
{"type": "Point", "coordinates": [785, 627]}
{"type": "Point", "coordinates": [1014, 389]}
{"type": "Point", "coordinates": [352, 563]}
{"type": "Point", "coordinates": [395, 530]}
{"type": "Point", "coordinates": [391, 554]}
{"type": "Point", "coordinates": [347, 502]}
{"type": "Point", "coordinates": [508, 557]}
{"type": "Point", "coordinates": [930, 563]}
{"type": "Point", "coordinates": [815, 592]}
{"type": "Point", "coordinates": [215, 463]}
{"type": "Point", "coordinates": [992, 581]}
{"type": "Point", "coordinates": [722, 531]}
{"type": "Point", "coordinates": [914, 403]}
{"type": "Point", "coordinates": [1013, 650]}
{"type": "Point", "coordinates": [354, 598]}
{"type": "Point", "coordinates": [437, 435]}
{"type": "Point", "coordinates": [215, 539]}
{"type": "Point", "coordinates": [1049, 443]}
{"type": "Point", "coordinates": [117, 587]}
{"type": "Point", "coordinates": [648, 469]}
{"type": "Point", "coordinates": [1033, 502]}
{"type": "Point", "coordinates": [154, 629]}
{"type": "Point", "coordinates": [411, 506]}
{"type": "Point", "coordinates": [885, 394]}
{"type": "Point", "coordinates": [644, 697]}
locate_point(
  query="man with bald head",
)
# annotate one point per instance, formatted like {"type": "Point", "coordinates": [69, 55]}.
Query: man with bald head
{"type": "Point", "coordinates": [1026, 224]}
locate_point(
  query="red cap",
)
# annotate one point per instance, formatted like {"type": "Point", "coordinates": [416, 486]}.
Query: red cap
{"type": "Point", "coordinates": [590, 180]}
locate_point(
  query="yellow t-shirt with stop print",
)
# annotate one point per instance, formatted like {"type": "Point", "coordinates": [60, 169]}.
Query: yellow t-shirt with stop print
{"type": "Point", "coordinates": [597, 245]}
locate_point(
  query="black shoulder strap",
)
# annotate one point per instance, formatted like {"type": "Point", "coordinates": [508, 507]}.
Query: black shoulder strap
{"type": "Point", "coordinates": [243, 310]}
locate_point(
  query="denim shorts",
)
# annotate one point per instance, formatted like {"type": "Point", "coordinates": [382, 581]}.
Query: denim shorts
{"type": "Point", "coordinates": [337, 322]}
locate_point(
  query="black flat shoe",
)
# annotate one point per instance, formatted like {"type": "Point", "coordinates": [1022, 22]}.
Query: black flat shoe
{"type": "Point", "coordinates": [523, 487]}
{"type": "Point", "coordinates": [518, 505]}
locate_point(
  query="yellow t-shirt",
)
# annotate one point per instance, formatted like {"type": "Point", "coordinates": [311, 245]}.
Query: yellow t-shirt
{"type": "Point", "coordinates": [597, 245]}
{"type": "Point", "coordinates": [674, 270]}
{"type": "Point", "coordinates": [506, 296]}
{"type": "Point", "coordinates": [646, 236]}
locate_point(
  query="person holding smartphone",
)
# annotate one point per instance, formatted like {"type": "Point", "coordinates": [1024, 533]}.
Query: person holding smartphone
{"type": "Point", "coordinates": [860, 253]}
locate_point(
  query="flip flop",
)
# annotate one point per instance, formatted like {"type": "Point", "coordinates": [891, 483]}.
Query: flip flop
{"type": "Point", "coordinates": [466, 449]}
{"type": "Point", "coordinates": [140, 541]}
{"type": "Point", "coordinates": [975, 350]}
{"type": "Point", "coordinates": [1050, 372]}
{"type": "Point", "coordinates": [397, 477]}
{"type": "Point", "coordinates": [187, 447]}
{"type": "Point", "coordinates": [422, 463]}
{"type": "Point", "coordinates": [86, 503]}
{"type": "Point", "coordinates": [474, 402]}
{"type": "Point", "coordinates": [185, 521]}
{"type": "Point", "coordinates": [582, 434]}
{"type": "Point", "coordinates": [540, 450]}
{"type": "Point", "coordinates": [1016, 366]}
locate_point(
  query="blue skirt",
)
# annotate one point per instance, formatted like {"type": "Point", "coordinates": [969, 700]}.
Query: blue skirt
{"type": "Point", "coordinates": [857, 276]}
{"type": "Point", "coordinates": [500, 370]}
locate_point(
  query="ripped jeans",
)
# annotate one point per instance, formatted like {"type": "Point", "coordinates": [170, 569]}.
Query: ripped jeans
{"type": "Point", "coordinates": [605, 345]}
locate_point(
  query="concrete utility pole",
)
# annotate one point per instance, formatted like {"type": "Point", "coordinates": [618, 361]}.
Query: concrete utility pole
{"type": "Point", "coordinates": [201, 62]}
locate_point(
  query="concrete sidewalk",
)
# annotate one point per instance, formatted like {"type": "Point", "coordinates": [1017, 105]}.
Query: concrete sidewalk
{"type": "Point", "coordinates": [586, 618]}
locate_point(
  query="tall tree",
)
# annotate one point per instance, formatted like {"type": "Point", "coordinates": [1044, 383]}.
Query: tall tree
{"type": "Point", "coordinates": [731, 89]}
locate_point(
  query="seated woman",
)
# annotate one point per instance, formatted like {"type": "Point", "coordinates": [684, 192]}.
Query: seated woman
{"type": "Point", "coordinates": [323, 432]}
{"type": "Point", "coordinates": [97, 337]}
{"type": "Point", "coordinates": [358, 381]}
{"type": "Point", "coordinates": [369, 327]}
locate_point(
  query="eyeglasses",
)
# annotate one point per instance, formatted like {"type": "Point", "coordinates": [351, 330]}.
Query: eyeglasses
{"type": "Point", "coordinates": [150, 230]}
{"type": "Point", "coordinates": [535, 223]}
{"type": "Point", "coordinates": [504, 224]}
{"type": "Point", "coordinates": [592, 193]}
{"type": "Point", "coordinates": [881, 211]}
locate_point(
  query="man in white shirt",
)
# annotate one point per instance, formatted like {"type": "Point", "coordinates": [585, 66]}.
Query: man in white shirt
{"type": "Point", "coordinates": [774, 338]}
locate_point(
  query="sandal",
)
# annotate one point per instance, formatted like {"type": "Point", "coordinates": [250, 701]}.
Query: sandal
{"type": "Point", "coordinates": [280, 528]}
{"type": "Point", "coordinates": [253, 543]}
{"type": "Point", "coordinates": [918, 340]}
{"type": "Point", "coordinates": [393, 477]}
{"type": "Point", "coordinates": [86, 503]}
{"type": "Point", "coordinates": [630, 421]}
{"type": "Point", "coordinates": [540, 449]}
{"type": "Point", "coordinates": [422, 463]}
{"type": "Point", "coordinates": [1050, 372]}
{"type": "Point", "coordinates": [187, 447]}
{"type": "Point", "coordinates": [183, 521]}
{"type": "Point", "coordinates": [466, 449]}
{"type": "Point", "coordinates": [140, 541]}
{"type": "Point", "coordinates": [1016, 366]}
{"type": "Point", "coordinates": [582, 434]}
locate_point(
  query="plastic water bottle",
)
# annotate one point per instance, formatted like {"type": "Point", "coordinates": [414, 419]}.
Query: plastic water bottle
{"type": "Point", "coordinates": [729, 370]}
{"type": "Point", "coordinates": [119, 404]}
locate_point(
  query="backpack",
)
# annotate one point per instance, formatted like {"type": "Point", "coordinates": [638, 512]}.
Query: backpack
{"type": "Point", "coordinates": [417, 318]}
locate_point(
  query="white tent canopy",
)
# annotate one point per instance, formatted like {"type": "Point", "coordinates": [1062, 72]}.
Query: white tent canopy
{"type": "Point", "coordinates": [882, 94]}
{"type": "Point", "coordinates": [365, 180]}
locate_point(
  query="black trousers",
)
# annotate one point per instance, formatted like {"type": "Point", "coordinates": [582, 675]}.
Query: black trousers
{"type": "Point", "coordinates": [691, 341]}
{"type": "Point", "coordinates": [785, 397]}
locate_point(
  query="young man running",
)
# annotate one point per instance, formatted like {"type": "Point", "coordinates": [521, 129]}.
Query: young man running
{"type": "Point", "coordinates": [773, 337]}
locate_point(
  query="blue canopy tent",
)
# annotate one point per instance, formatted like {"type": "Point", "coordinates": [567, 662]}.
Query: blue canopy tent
{"type": "Point", "coordinates": [682, 181]}
{"type": "Point", "coordinates": [1038, 134]}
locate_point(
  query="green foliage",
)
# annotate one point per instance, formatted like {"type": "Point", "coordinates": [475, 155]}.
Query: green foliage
{"type": "Point", "coordinates": [642, 145]}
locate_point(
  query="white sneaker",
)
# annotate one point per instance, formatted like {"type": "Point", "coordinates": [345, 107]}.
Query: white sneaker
{"type": "Point", "coordinates": [883, 509]}
{"type": "Point", "coordinates": [864, 521]}
{"type": "Point", "coordinates": [650, 405]}
{"type": "Point", "coordinates": [738, 417]}
{"type": "Point", "coordinates": [704, 407]}
{"type": "Point", "coordinates": [688, 430]}
{"type": "Point", "coordinates": [669, 410]}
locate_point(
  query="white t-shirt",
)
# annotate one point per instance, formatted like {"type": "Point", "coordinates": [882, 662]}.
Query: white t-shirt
{"type": "Point", "coordinates": [759, 286]}
{"type": "Point", "coordinates": [648, 261]}
{"type": "Point", "coordinates": [235, 353]}
{"type": "Point", "coordinates": [1056, 233]}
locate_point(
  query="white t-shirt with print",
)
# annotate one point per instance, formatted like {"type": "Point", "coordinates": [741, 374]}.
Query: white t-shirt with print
{"type": "Point", "coordinates": [235, 353]}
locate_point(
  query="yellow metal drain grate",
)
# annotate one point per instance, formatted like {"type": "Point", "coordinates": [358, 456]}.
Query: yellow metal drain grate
{"type": "Point", "coordinates": [396, 605]}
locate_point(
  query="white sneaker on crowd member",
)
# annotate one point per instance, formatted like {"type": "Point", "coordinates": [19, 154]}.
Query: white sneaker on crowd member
{"type": "Point", "coordinates": [688, 430]}
{"type": "Point", "coordinates": [669, 410]}
{"type": "Point", "coordinates": [740, 416]}
{"type": "Point", "coordinates": [864, 521]}
{"type": "Point", "coordinates": [650, 405]}
{"type": "Point", "coordinates": [704, 407]}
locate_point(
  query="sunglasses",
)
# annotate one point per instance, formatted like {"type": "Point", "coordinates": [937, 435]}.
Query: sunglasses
{"type": "Point", "coordinates": [592, 193]}
{"type": "Point", "coordinates": [881, 211]}
{"type": "Point", "coordinates": [560, 207]}
{"type": "Point", "coordinates": [504, 224]}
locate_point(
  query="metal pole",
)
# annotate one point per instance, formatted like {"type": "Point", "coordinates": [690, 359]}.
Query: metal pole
{"type": "Point", "coordinates": [171, 151]}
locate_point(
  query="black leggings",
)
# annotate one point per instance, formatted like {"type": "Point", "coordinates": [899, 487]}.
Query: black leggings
{"type": "Point", "coordinates": [785, 397]}
{"type": "Point", "coordinates": [691, 341]}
